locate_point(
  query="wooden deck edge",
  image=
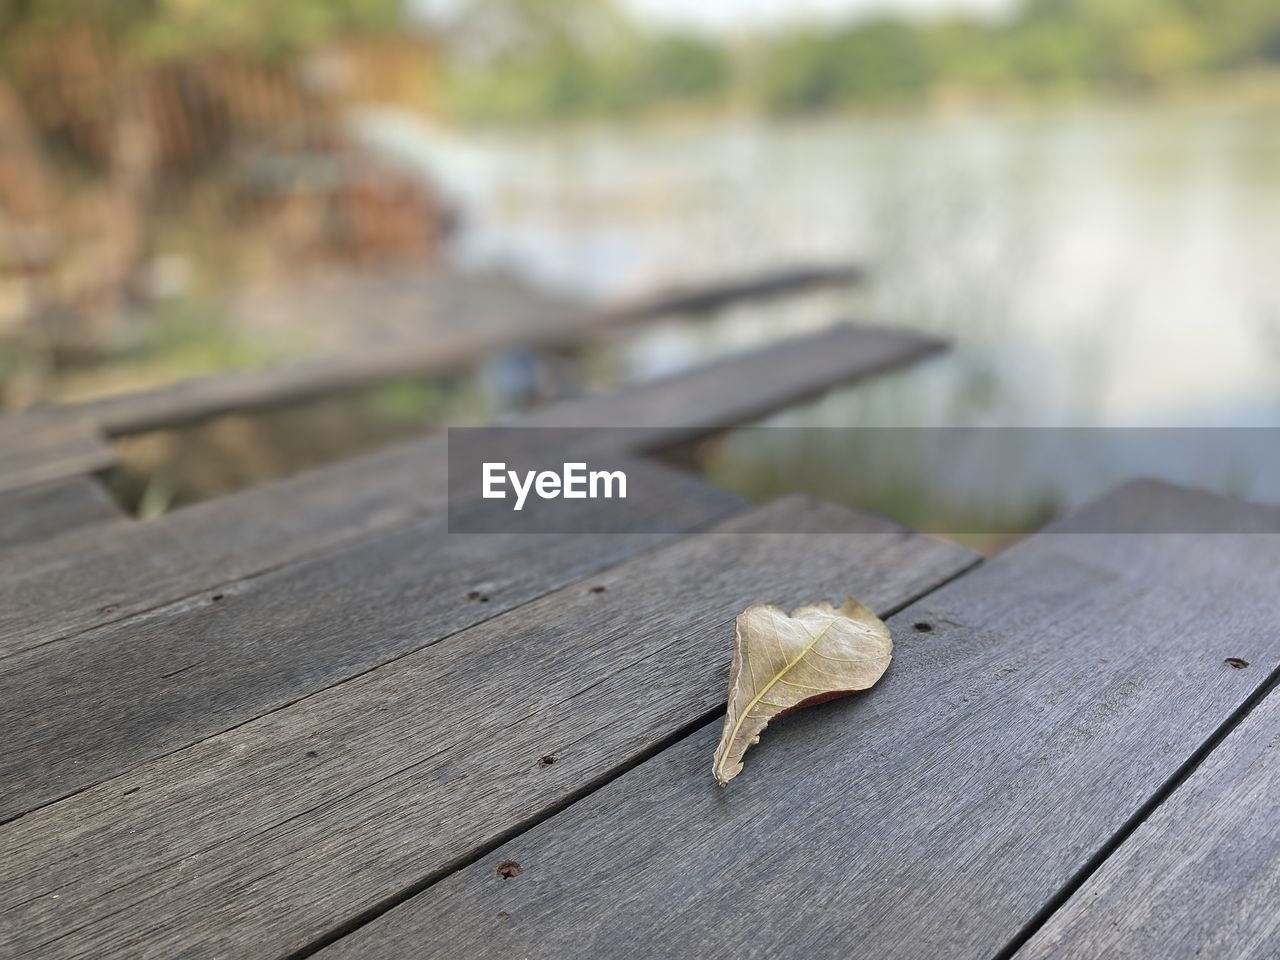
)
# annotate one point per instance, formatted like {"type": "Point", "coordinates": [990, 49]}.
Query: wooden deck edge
{"type": "Point", "coordinates": [623, 619]}
{"type": "Point", "coordinates": [878, 878]}
{"type": "Point", "coordinates": [84, 583]}
{"type": "Point", "coordinates": [47, 445]}
{"type": "Point", "coordinates": [742, 387]}
{"type": "Point", "coordinates": [40, 512]}
{"type": "Point", "coordinates": [205, 397]}
{"type": "Point", "coordinates": [1195, 875]}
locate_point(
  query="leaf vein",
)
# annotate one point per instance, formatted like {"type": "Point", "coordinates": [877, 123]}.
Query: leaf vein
{"type": "Point", "coordinates": [815, 638]}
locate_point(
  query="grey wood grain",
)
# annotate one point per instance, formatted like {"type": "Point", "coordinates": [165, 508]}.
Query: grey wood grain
{"type": "Point", "coordinates": [39, 446]}
{"type": "Point", "coordinates": [281, 831]}
{"type": "Point", "coordinates": [98, 578]}
{"type": "Point", "coordinates": [1056, 689]}
{"type": "Point", "coordinates": [42, 511]}
{"type": "Point", "coordinates": [102, 575]}
{"type": "Point", "coordinates": [77, 712]}
{"type": "Point", "coordinates": [1200, 878]}
{"type": "Point", "coordinates": [743, 388]}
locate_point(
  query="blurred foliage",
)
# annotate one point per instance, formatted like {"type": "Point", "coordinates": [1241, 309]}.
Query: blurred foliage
{"type": "Point", "coordinates": [550, 59]}
{"type": "Point", "coordinates": [188, 335]}
{"type": "Point", "coordinates": [534, 59]}
{"type": "Point", "coordinates": [543, 59]}
{"type": "Point", "coordinates": [664, 70]}
{"type": "Point", "coordinates": [171, 29]}
{"type": "Point", "coordinates": [407, 400]}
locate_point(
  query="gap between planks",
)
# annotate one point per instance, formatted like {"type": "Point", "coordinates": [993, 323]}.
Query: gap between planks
{"type": "Point", "coordinates": [344, 850]}
{"type": "Point", "coordinates": [576, 796]}
{"type": "Point", "coordinates": [97, 704]}
{"type": "Point", "coordinates": [51, 509]}
{"type": "Point", "coordinates": [447, 351]}
{"type": "Point", "coordinates": [993, 762]}
{"type": "Point", "coordinates": [1018, 946]}
{"type": "Point", "coordinates": [181, 554]}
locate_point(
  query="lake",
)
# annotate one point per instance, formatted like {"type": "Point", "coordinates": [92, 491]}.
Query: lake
{"type": "Point", "coordinates": [1092, 266]}
{"type": "Point", "coordinates": [1099, 267]}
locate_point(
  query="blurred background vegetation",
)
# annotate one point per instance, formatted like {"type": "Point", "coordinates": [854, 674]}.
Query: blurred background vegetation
{"type": "Point", "coordinates": [155, 154]}
{"type": "Point", "coordinates": [586, 57]}
{"type": "Point", "coordinates": [1082, 195]}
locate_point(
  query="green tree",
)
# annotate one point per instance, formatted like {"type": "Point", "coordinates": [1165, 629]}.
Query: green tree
{"type": "Point", "coordinates": [681, 67]}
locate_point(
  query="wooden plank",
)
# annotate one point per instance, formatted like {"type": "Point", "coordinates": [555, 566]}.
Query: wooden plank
{"type": "Point", "coordinates": [102, 575]}
{"type": "Point", "coordinates": [98, 704]}
{"type": "Point", "coordinates": [201, 398]}
{"type": "Point", "coordinates": [1200, 878]}
{"type": "Point", "coordinates": [745, 387]}
{"type": "Point", "coordinates": [371, 325]}
{"type": "Point", "coordinates": [40, 512]}
{"type": "Point", "coordinates": [793, 370]}
{"type": "Point", "coordinates": [1055, 690]}
{"type": "Point", "coordinates": [95, 579]}
{"type": "Point", "coordinates": [703, 297]}
{"type": "Point", "coordinates": [40, 446]}
{"type": "Point", "coordinates": [452, 346]}
{"type": "Point", "coordinates": [268, 838]}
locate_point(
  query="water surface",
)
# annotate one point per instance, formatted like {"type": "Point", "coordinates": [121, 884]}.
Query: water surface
{"type": "Point", "coordinates": [1101, 266]}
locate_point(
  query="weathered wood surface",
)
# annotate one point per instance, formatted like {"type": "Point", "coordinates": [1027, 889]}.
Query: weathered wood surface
{"type": "Point", "coordinates": [1200, 878]}
{"type": "Point", "coordinates": [77, 712]}
{"type": "Point", "coordinates": [691, 299]}
{"type": "Point", "coordinates": [1057, 688]}
{"type": "Point", "coordinates": [43, 445]}
{"type": "Point", "coordinates": [1156, 505]}
{"type": "Point", "coordinates": [826, 354]}
{"type": "Point", "coordinates": [201, 398]}
{"type": "Point", "coordinates": [42, 511]}
{"type": "Point", "coordinates": [276, 835]}
{"type": "Point", "coordinates": [460, 337]}
{"type": "Point", "coordinates": [94, 579]}
{"type": "Point", "coordinates": [102, 575]}
{"type": "Point", "coordinates": [746, 387]}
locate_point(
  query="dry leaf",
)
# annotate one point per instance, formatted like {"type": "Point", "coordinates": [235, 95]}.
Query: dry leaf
{"type": "Point", "coordinates": [782, 663]}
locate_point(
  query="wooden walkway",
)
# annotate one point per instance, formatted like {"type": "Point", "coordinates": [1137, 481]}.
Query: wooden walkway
{"type": "Point", "coordinates": [441, 326]}
{"type": "Point", "coordinates": [305, 720]}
